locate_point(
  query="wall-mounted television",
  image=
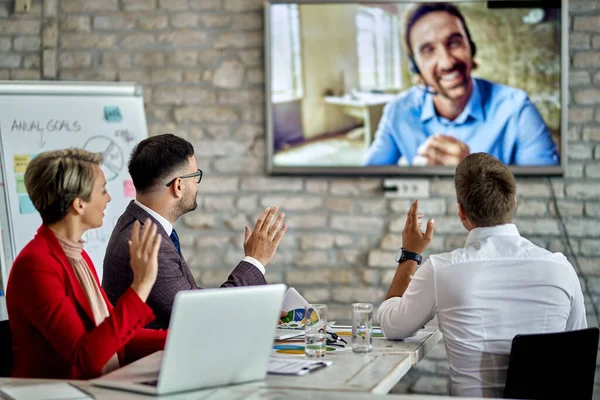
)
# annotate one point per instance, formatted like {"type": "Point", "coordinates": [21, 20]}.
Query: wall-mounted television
{"type": "Point", "coordinates": [392, 88]}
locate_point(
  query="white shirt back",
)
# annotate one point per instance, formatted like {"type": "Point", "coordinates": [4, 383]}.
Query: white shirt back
{"type": "Point", "coordinates": [497, 286]}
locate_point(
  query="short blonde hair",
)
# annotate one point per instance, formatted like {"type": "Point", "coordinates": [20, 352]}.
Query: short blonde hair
{"type": "Point", "coordinates": [54, 179]}
{"type": "Point", "coordinates": [486, 189]}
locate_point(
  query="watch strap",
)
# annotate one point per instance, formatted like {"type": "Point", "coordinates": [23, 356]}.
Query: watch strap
{"type": "Point", "coordinates": [409, 255]}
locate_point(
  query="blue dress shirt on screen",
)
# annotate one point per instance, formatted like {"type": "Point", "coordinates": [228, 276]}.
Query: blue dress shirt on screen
{"type": "Point", "coordinates": [497, 119]}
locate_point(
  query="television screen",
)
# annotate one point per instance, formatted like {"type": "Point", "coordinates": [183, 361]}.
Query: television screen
{"type": "Point", "coordinates": [411, 88]}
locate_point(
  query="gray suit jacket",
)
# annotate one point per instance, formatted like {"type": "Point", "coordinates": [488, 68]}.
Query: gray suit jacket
{"type": "Point", "coordinates": [173, 272]}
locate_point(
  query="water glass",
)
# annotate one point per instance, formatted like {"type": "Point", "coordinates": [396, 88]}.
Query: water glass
{"type": "Point", "coordinates": [314, 344]}
{"type": "Point", "coordinates": [315, 325]}
{"type": "Point", "coordinates": [315, 318]}
{"type": "Point", "coordinates": [362, 327]}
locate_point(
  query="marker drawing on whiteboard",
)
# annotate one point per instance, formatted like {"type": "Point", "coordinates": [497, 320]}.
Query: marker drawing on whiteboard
{"type": "Point", "coordinates": [26, 126]}
{"type": "Point", "coordinates": [114, 159]}
{"type": "Point", "coordinates": [126, 135]}
{"type": "Point", "coordinates": [52, 125]}
{"type": "Point", "coordinates": [42, 141]}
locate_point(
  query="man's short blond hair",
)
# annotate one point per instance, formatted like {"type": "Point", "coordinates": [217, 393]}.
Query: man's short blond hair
{"type": "Point", "coordinates": [485, 188]}
{"type": "Point", "coordinates": [54, 179]}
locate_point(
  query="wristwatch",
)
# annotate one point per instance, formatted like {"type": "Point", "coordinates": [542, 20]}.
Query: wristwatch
{"type": "Point", "coordinates": [403, 255]}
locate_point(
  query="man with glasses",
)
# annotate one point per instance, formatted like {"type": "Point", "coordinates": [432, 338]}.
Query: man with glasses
{"type": "Point", "coordinates": [166, 178]}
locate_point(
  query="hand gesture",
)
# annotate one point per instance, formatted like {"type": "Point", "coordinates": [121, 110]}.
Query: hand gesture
{"type": "Point", "coordinates": [412, 238]}
{"type": "Point", "coordinates": [143, 250]}
{"type": "Point", "coordinates": [261, 242]}
{"type": "Point", "coordinates": [442, 150]}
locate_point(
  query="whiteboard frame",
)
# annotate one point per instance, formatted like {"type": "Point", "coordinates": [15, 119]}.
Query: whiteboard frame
{"type": "Point", "coordinates": [70, 88]}
{"type": "Point", "coordinates": [37, 88]}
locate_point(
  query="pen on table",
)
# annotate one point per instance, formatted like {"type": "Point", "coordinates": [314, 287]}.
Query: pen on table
{"type": "Point", "coordinates": [317, 366]}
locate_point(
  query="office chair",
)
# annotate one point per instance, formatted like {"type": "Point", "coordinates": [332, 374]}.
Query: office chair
{"type": "Point", "coordinates": [5, 349]}
{"type": "Point", "coordinates": [552, 365]}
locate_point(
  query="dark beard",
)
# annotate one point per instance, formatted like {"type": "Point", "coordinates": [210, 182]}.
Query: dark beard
{"type": "Point", "coordinates": [182, 209]}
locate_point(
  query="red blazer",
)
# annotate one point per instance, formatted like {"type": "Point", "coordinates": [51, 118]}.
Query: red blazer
{"type": "Point", "coordinates": [53, 329]}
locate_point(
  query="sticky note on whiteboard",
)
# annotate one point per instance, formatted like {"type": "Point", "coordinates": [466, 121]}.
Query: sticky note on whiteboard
{"type": "Point", "coordinates": [25, 205]}
{"type": "Point", "coordinates": [20, 179]}
{"type": "Point", "coordinates": [129, 189]}
{"type": "Point", "coordinates": [112, 114]}
{"type": "Point", "coordinates": [20, 162]}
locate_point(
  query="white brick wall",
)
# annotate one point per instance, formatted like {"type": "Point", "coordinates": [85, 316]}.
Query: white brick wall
{"type": "Point", "coordinates": [201, 62]}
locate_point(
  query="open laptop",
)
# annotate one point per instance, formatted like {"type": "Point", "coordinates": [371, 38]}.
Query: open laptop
{"type": "Point", "coordinates": [216, 337]}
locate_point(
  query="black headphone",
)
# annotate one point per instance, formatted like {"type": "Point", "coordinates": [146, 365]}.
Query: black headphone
{"type": "Point", "coordinates": [413, 64]}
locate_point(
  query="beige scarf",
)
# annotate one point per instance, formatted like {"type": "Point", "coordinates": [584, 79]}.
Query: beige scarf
{"type": "Point", "coordinates": [73, 252]}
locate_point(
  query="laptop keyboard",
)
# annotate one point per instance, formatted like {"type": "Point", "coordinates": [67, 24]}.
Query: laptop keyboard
{"type": "Point", "coordinates": [150, 383]}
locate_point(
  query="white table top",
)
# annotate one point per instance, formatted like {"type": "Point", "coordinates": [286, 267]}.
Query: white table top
{"type": "Point", "coordinates": [367, 373]}
{"type": "Point", "coordinates": [251, 391]}
{"type": "Point", "coordinates": [376, 372]}
{"type": "Point", "coordinates": [365, 99]}
{"type": "Point", "coordinates": [417, 346]}
{"type": "Point", "coordinates": [373, 373]}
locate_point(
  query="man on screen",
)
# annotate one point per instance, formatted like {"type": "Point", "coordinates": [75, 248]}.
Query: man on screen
{"type": "Point", "coordinates": [451, 114]}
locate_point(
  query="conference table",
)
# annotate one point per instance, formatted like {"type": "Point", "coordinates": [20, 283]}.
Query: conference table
{"type": "Point", "coordinates": [252, 391]}
{"type": "Point", "coordinates": [350, 376]}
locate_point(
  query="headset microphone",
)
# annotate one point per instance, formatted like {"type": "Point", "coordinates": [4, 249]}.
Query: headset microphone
{"type": "Point", "coordinates": [415, 70]}
{"type": "Point", "coordinates": [426, 89]}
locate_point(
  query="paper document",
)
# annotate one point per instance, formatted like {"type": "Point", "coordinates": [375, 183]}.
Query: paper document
{"type": "Point", "coordinates": [295, 305]}
{"type": "Point", "coordinates": [45, 391]}
{"type": "Point", "coordinates": [281, 366]}
{"type": "Point", "coordinates": [281, 334]}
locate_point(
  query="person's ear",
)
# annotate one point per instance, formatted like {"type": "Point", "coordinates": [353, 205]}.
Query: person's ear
{"type": "Point", "coordinates": [461, 213]}
{"type": "Point", "coordinates": [464, 219]}
{"type": "Point", "coordinates": [177, 188]}
{"type": "Point", "coordinates": [78, 206]}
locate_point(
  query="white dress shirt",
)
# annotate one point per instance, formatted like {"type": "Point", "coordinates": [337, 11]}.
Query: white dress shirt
{"type": "Point", "coordinates": [169, 228]}
{"type": "Point", "coordinates": [497, 286]}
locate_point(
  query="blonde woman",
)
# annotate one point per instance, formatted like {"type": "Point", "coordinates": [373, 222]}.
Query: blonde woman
{"type": "Point", "coordinates": [62, 324]}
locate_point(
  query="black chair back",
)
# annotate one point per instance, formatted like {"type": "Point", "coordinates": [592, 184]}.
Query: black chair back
{"type": "Point", "coordinates": [552, 365]}
{"type": "Point", "coordinates": [5, 349]}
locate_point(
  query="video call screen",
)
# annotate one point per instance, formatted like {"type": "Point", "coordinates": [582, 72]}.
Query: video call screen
{"type": "Point", "coordinates": [409, 86]}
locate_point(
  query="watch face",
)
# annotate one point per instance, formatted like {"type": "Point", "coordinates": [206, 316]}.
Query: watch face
{"type": "Point", "coordinates": [398, 255]}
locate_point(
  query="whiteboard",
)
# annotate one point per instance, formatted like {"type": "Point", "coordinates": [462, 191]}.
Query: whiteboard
{"type": "Point", "coordinates": [42, 116]}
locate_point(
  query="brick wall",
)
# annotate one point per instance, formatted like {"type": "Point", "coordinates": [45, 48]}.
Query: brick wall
{"type": "Point", "coordinates": [201, 65]}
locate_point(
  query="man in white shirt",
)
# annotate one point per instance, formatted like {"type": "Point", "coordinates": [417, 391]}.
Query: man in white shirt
{"type": "Point", "coordinates": [497, 286]}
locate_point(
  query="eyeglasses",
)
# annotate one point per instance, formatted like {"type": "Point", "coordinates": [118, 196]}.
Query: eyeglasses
{"type": "Point", "coordinates": [197, 175]}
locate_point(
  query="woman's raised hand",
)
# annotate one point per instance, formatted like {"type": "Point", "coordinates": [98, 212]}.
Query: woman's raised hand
{"type": "Point", "coordinates": [143, 250]}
